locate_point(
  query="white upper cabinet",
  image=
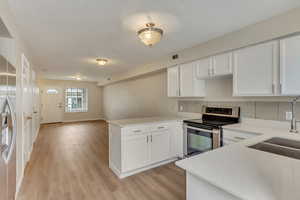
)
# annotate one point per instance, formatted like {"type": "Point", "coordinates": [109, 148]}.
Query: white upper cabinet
{"type": "Point", "coordinates": [214, 66]}
{"type": "Point", "coordinates": [290, 66]}
{"type": "Point", "coordinates": [173, 81]}
{"type": "Point", "coordinates": [190, 86]}
{"type": "Point", "coordinates": [255, 70]}
{"type": "Point", "coordinates": [204, 68]}
{"type": "Point", "coordinates": [222, 64]}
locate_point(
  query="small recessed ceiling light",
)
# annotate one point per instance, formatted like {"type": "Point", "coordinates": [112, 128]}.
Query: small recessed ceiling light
{"type": "Point", "coordinates": [78, 78]}
{"type": "Point", "coordinates": [101, 61]}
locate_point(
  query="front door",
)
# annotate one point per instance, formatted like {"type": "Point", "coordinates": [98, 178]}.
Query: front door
{"type": "Point", "coordinates": [52, 104]}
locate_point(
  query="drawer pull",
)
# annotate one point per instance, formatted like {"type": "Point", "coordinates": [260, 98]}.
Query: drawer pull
{"type": "Point", "coordinates": [239, 138]}
{"type": "Point", "coordinates": [137, 131]}
{"type": "Point", "coordinates": [161, 127]}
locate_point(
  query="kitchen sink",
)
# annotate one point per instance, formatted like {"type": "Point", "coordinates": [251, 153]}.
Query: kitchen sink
{"type": "Point", "coordinates": [279, 146]}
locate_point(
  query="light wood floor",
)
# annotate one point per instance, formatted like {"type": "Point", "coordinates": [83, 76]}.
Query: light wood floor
{"type": "Point", "coordinates": [70, 162]}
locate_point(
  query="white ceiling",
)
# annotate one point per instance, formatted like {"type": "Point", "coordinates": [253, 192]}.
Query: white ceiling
{"type": "Point", "coordinates": [65, 36]}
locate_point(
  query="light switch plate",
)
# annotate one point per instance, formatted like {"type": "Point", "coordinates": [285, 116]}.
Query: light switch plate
{"type": "Point", "coordinates": [288, 115]}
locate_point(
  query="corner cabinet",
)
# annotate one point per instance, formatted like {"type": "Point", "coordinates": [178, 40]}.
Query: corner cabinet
{"type": "Point", "coordinates": [182, 81]}
{"type": "Point", "coordinates": [256, 70]}
{"type": "Point", "coordinates": [173, 81]}
{"type": "Point", "coordinates": [190, 86]}
{"type": "Point", "coordinates": [290, 66]}
{"type": "Point", "coordinates": [204, 68]}
{"type": "Point", "coordinates": [140, 147]}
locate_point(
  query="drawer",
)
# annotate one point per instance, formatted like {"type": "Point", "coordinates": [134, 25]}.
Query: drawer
{"type": "Point", "coordinates": [237, 136]}
{"type": "Point", "coordinates": [137, 130]}
{"type": "Point", "coordinates": [159, 127]}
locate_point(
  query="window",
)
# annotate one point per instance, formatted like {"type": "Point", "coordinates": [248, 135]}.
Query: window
{"type": "Point", "coordinates": [76, 100]}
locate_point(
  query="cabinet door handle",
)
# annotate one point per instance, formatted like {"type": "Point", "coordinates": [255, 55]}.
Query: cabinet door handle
{"type": "Point", "coordinates": [151, 138]}
{"type": "Point", "coordinates": [280, 88]}
{"type": "Point", "coordinates": [147, 139]}
{"type": "Point", "coordinates": [160, 127]}
{"type": "Point", "coordinates": [137, 131]}
{"type": "Point", "coordinates": [3, 148]}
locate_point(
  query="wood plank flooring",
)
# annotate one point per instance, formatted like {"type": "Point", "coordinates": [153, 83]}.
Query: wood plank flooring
{"type": "Point", "coordinates": [70, 162]}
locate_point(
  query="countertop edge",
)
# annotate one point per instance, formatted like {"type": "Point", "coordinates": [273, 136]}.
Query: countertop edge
{"type": "Point", "coordinates": [192, 171]}
{"type": "Point", "coordinates": [123, 125]}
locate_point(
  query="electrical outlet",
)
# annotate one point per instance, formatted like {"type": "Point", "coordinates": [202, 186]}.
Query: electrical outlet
{"type": "Point", "coordinates": [288, 115]}
{"type": "Point", "coordinates": [181, 107]}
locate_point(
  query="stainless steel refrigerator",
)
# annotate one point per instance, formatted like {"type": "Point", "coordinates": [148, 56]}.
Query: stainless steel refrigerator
{"type": "Point", "coordinates": [7, 130]}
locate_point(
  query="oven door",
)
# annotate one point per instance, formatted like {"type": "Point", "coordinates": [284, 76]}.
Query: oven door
{"type": "Point", "coordinates": [199, 140]}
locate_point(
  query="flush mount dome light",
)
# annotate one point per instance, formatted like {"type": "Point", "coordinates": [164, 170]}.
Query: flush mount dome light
{"type": "Point", "coordinates": [150, 35]}
{"type": "Point", "coordinates": [101, 61]}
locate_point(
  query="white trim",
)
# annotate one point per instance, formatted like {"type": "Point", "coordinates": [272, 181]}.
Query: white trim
{"type": "Point", "coordinates": [20, 181]}
{"type": "Point", "coordinates": [36, 134]}
{"type": "Point", "coordinates": [83, 120]}
{"type": "Point", "coordinates": [126, 174]}
{"type": "Point", "coordinates": [75, 120]}
{"type": "Point", "coordinates": [19, 184]}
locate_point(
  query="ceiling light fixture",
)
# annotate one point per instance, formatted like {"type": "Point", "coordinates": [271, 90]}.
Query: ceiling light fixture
{"type": "Point", "coordinates": [150, 35]}
{"type": "Point", "coordinates": [101, 61]}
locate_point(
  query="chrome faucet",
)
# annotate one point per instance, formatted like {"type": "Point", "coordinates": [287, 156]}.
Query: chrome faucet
{"type": "Point", "coordinates": [294, 120]}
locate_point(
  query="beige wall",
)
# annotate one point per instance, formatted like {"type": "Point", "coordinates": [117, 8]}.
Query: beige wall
{"type": "Point", "coordinates": [94, 98]}
{"type": "Point", "coordinates": [145, 96]}
{"type": "Point", "coordinates": [125, 99]}
{"type": "Point", "coordinates": [275, 27]}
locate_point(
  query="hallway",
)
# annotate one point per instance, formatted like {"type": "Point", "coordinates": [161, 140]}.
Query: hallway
{"type": "Point", "coordinates": [70, 162]}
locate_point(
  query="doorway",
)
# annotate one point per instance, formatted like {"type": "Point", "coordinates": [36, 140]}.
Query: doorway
{"type": "Point", "coordinates": [52, 104]}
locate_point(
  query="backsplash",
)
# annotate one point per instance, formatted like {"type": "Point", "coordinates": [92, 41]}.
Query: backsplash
{"type": "Point", "coordinates": [258, 110]}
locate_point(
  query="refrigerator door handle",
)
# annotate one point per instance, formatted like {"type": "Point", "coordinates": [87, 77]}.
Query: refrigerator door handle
{"type": "Point", "coordinates": [3, 148]}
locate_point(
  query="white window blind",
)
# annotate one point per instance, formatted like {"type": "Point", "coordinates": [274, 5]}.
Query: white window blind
{"type": "Point", "coordinates": [76, 100]}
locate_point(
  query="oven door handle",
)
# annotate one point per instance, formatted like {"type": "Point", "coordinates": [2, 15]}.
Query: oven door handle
{"type": "Point", "coordinates": [199, 129]}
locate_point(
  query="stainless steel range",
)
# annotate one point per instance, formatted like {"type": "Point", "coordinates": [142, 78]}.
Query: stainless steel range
{"type": "Point", "coordinates": [205, 134]}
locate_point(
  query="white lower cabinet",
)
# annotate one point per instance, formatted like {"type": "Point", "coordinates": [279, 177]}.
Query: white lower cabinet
{"type": "Point", "coordinates": [135, 149]}
{"type": "Point", "coordinates": [160, 146]}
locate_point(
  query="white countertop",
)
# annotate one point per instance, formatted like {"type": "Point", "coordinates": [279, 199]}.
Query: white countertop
{"type": "Point", "coordinates": [146, 120]}
{"type": "Point", "coordinates": [249, 173]}
{"type": "Point", "coordinates": [261, 126]}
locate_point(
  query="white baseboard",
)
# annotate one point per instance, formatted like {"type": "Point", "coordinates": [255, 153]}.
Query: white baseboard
{"type": "Point", "coordinates": [75, 120]}
{"type": "Point", "coordinates": [19, 184]}
{"type": "Point", "coordinates": [83, 120]}
{"type": "Point", "coordinates": [124, 175]}
{"type": "Point", "coordinates": [20, 181]}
